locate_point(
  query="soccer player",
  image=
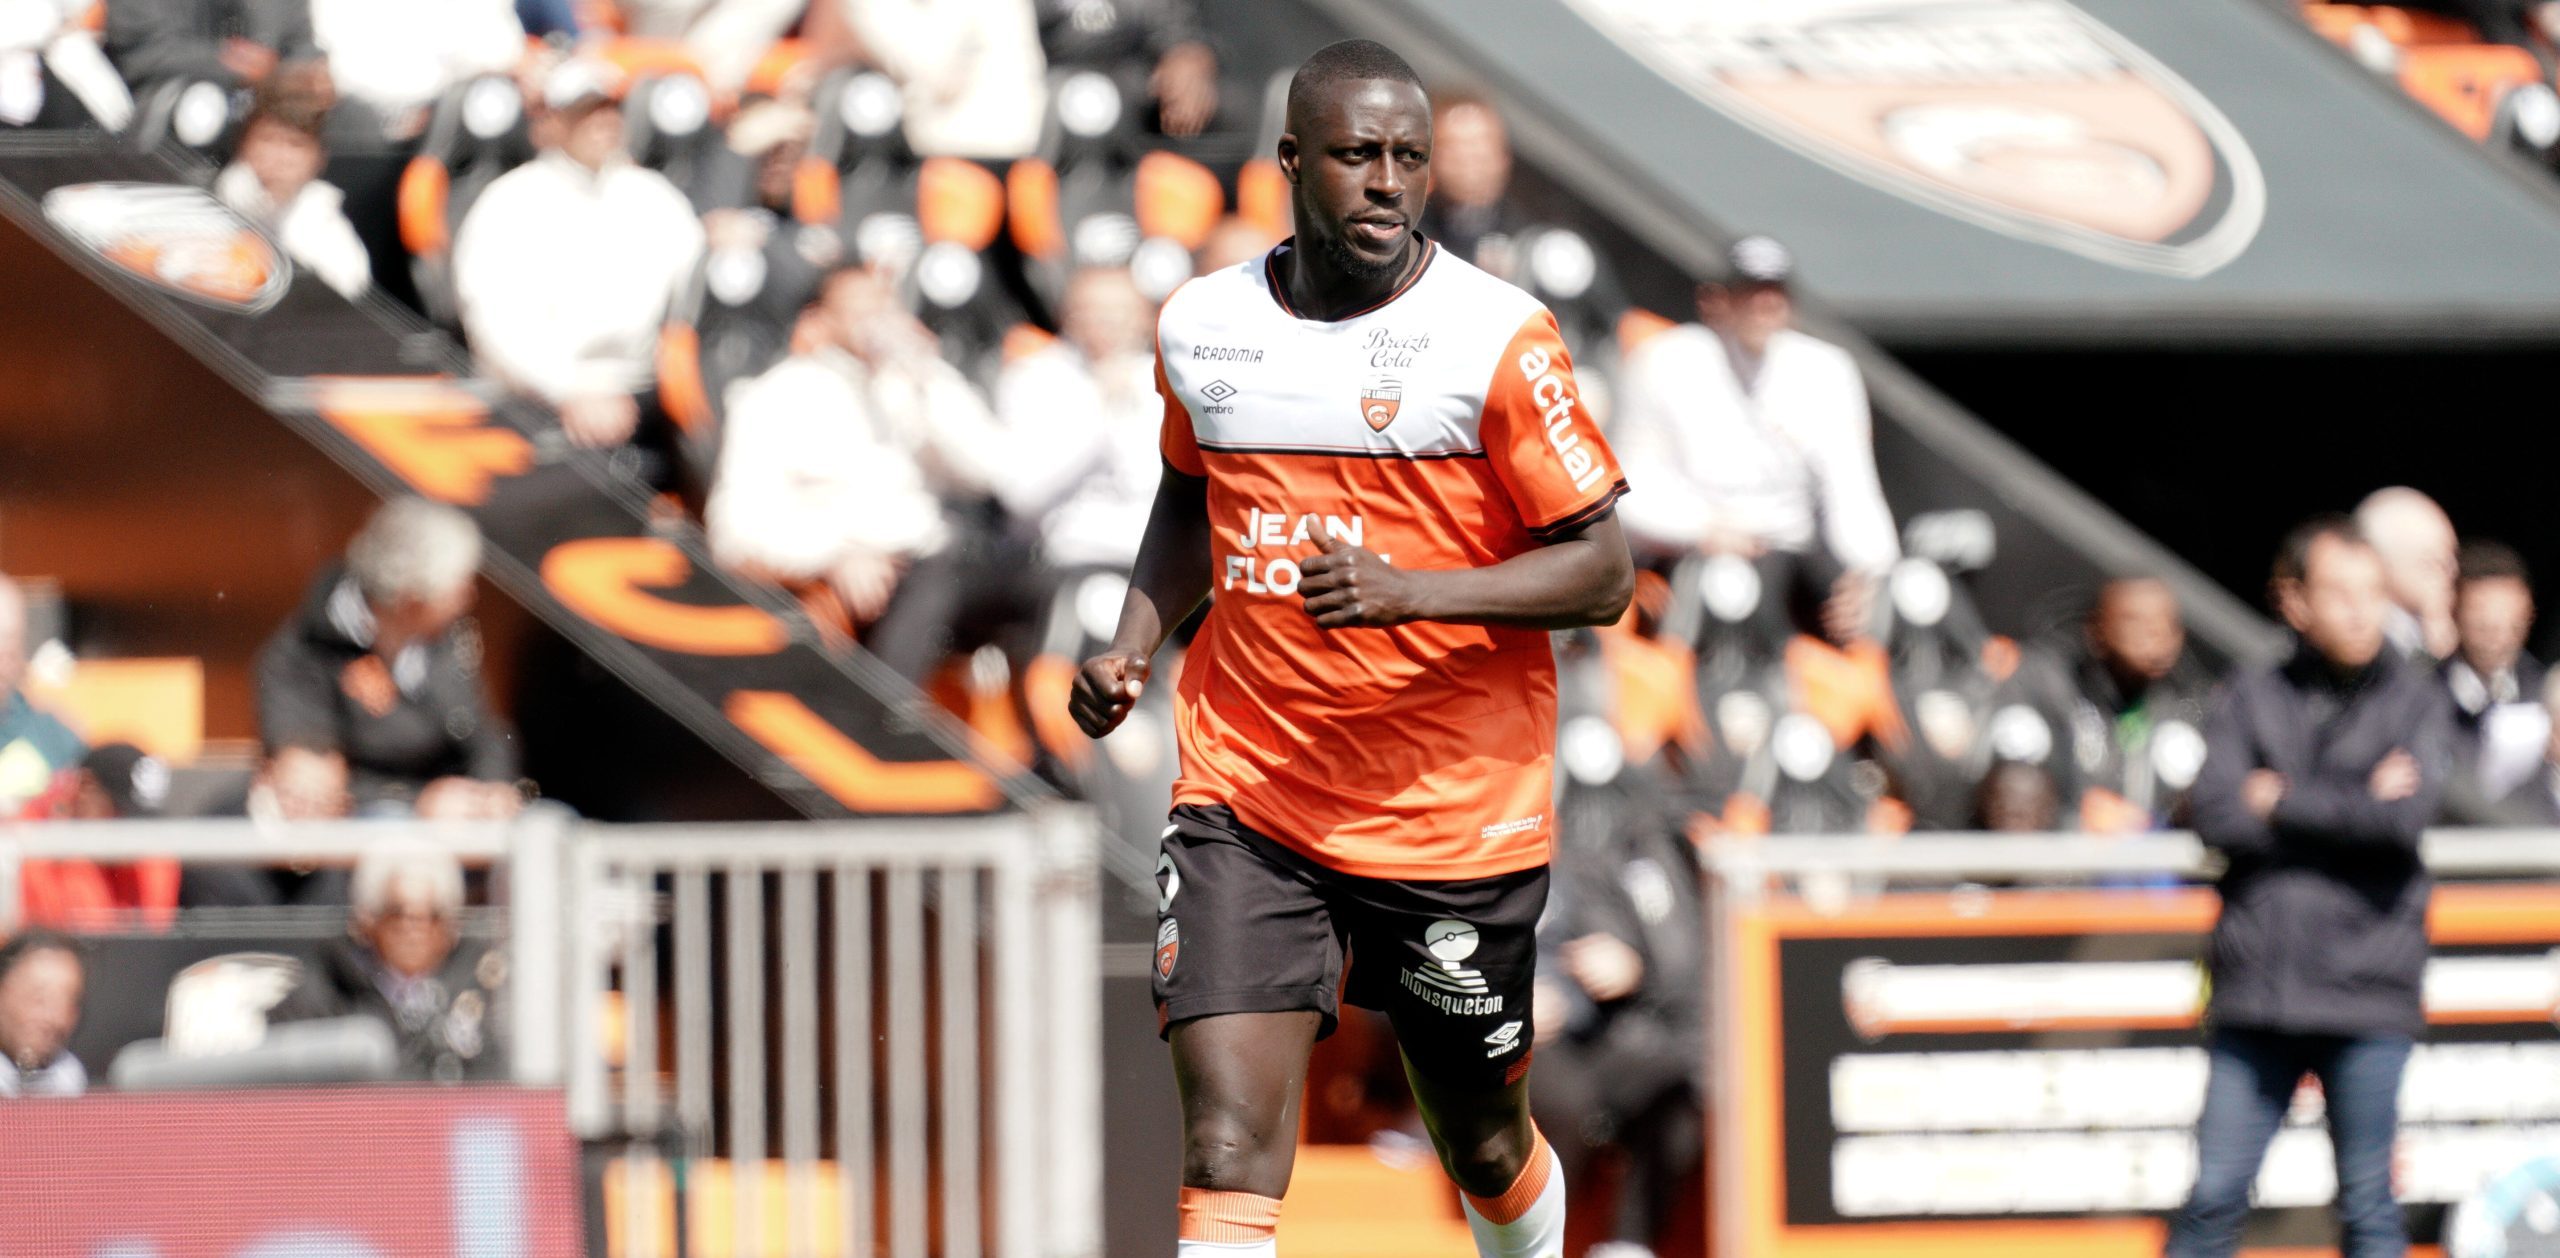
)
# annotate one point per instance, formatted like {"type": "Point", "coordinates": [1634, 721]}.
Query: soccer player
{"type": "Point", "coordinates": [1377, 462]}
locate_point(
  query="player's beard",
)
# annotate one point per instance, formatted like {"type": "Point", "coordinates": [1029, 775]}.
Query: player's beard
{"type": "Point", "coordinates": [1350, 263]}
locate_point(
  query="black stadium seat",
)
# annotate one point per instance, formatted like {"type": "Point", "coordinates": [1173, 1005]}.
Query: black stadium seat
{"type": "Point", "coordinates": [477, 133]}
{"type": "Point", "coordinates": [1099, 194]}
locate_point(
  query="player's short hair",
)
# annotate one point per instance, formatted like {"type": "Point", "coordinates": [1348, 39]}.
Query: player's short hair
{"type": "Point", "coordinates": [2293, 556]}
{"type": "Point", "coordinates": [1350, 61]}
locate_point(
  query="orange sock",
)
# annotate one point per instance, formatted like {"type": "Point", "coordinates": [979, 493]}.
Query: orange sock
{"type": "Point", "coordinates": [1523, 1192]}
{"type": "Point", "coordinates": [1228, 1218]}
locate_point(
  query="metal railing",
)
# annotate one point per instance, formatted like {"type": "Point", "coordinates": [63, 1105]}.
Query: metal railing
{"type": "Point", "coordinates": [902, 1015]}
{"type": "Point", "coordinates": [907, 1010]}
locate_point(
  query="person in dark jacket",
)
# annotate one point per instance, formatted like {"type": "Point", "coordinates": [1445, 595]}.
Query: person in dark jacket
{"type": "Point", "coordinates": [402, 965]}
{"type": "Point", "coordinates": [2318, 777]}
{"type": "Point", "coordinates": [2138, 709]}
{"type": "Point", "coordinates": [1619, 1010]}
{"type": "Point", "coordinates": [381, 667]}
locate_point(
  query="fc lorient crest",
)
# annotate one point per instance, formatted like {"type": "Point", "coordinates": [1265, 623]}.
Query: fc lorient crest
{"type": "Point", "coordinates": [1380, 398]}
{"type": "Point", "coordinates": [2026, 117]}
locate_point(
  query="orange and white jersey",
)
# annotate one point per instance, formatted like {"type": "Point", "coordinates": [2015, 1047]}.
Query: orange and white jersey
{"type": "Point", "coordinates": [1440, 429]}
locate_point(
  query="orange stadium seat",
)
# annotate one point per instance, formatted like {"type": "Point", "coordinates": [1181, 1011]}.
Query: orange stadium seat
{"type": "Point", "coordinates": [2463, 83]}
{"type": "Point", "coordinates": [2407, 28]}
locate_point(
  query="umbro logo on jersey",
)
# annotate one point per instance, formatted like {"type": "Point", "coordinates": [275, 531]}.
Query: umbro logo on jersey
{"type": "Point", "coordinates": [1218, 391]}
{"type": "Point", "coordinates": [1380, 399]}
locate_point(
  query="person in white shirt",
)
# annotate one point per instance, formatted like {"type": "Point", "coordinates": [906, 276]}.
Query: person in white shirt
{"type": "Point", "coordinates": [836, 467]}
{"type": "Point", "coordinates": [565, 266]}
{"type": "Point", "coordinates": [41, 980]}
{"type": "Point", "coordinates": [1755, 438]}
{"type": "Point", "coordinates": [1081, 418]}
{"type": "Point", "coordinates": [726, 37]}
{"type": "Point", "coordinates": [274, 181]}
{"type": "Point", "coordinates": [397, 59]}
{"type": "Point", "coordinates": [971, 71]}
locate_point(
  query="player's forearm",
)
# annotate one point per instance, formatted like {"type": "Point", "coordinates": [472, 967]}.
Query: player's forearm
{"type": "Point", "coordinates": [1172, 572]}
{"type": "Point", "coordinates": [1583, 580]}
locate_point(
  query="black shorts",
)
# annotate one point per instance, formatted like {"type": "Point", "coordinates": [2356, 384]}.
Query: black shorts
{"type": "Point", "coordinates": [1244, 924]}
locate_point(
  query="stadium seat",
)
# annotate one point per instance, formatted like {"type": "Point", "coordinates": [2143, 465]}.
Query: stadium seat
{"type": "Point", "coordinates": [477, 133]}
{"type": "Point", "coordinates": [671, 121]}
{"type": "Point", "coordinates": [2465, 83]}
{"type": "Point", "coordinates": [734, 318]}
{"type": "Point", "coordinates": [1097, 195]}
{"type": "Point", "coordinates": [197, 117]}
{"type": "Point", "coordinates": [1262, 192]}
{"type": "Point", "coordinates": [929, 219]}
{"type": "Point", "coordinates": [2345, 24]}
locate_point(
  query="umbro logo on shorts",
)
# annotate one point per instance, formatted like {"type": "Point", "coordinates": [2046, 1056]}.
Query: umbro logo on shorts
{"type": "Point", "coordinates": [1504, 1038]}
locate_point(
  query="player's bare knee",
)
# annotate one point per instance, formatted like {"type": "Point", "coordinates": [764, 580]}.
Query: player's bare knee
{"type": "Point", "coordinates": [1226, 1153]}
{"type": "Point", "coordinates": [1485, 1163]}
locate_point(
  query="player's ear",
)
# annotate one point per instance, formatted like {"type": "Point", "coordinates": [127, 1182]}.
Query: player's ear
{"type": "Point", "coordinates": [1289, 156]}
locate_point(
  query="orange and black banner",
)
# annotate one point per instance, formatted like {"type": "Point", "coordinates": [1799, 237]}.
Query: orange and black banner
{"type": "Point", "coordinates": [2019, 1072]}
{"type": "Point", "coordinates": [571, 538]}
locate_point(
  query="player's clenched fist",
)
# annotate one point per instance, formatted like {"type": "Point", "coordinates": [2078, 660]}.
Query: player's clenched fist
{"type": "Point", "coordinates": [1348, 585]}
{"type": "Point", "coordinates": [1106, 687]}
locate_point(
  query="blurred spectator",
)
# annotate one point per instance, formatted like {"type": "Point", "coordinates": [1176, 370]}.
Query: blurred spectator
{"type": "Point", "coordinates": [395, 60]}
{"type": "Point", "coordinates": [1757, 438]}
{"type": "Point", "coordinates": [42, 980]}
{"type": "Point", "coordinates": [2537, 801]}
{"type": "Point", "coordinates": [293, 784]}
{"type": "Point", "coordinates": [1619, 1022]}
{"type": "Point", "coordinates": [2321, 773]}
{"type": "Point", "coordinates": [1081, 418]}
{"type": "Point", "coordinates": [774, 135]}
{"type": "Point", "coordinates": [565, 266]}
{"type": "Point", "coordinates": [115, 781]}
{"type": "Point", "coordinates": [726, 37]}
{"type": "Point", "coordinates": [1469, 212]}
{"type": "Point", "coordinates": [2499, 726]}
{"type": "Point", "coordinates": [275, 182]}
{"type": "Point", "coordinates": [836, 466]}
{"type": "Point", "coordinates": [970, 70]}
{"type": "Point", "coordinates": [402, 966]}
{"type": "Point", "coordinates": [235, 43]}
{"type": "Point", "coordinates": [53, 73]}
{"type": "Point", "coordinates": [2140, 700]}
{"type": "Point", "coordinates": [2019, 798]}
{"type": "Point", "coordinates": [2416, 541]}
{"type": "Point", "coordinates": [1161, 37]}
{"type": "Point", "coordinates": [382, 667]}
{"type": "Point", "coordinates": [1236, 239]}
{"type": "Point", "coordinates": [35, 748]}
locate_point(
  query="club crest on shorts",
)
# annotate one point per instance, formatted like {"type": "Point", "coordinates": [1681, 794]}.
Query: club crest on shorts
{"type": "Point", "coordinates": [1380, 398]}
{"type": "Point", "coordinates": [2030, 118]}
{"type": "Point", "coordinates": [1168, 947]}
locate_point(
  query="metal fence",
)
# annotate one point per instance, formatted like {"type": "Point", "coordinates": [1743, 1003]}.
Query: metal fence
{"type": "Point", "coordinates": [857, 1039]}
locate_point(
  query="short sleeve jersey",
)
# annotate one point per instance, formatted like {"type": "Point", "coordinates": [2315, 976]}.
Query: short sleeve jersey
{"type": "Point", "coordinates": [1440, 429]}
